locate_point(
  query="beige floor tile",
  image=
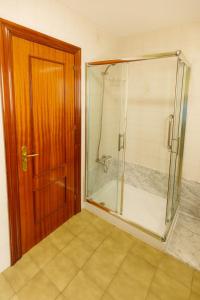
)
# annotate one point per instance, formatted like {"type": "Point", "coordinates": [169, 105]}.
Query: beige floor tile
{"type": "Point", "coordinates": [123, 287]}
{"type": "Point", "coordinates": [150, 254]}
{"type": "Point", "coordinates": [5, 289]}
{"type": "Point", "coordinates": [78, 252]}
{"type": "Point", "coordinates": [103, 226]}
{"type": "Point", "coordinates": [60, 271]}
{"type": "Point", "coordinates": [15, 297]}
{"type": "Point", "coordinates": [19, 274]}
{"type": "Point", "coordinates": [43, 252]}
{"type": "Point", "coordinates": [103, 265]}
{"type": "Point", "coordinates": [138, 269]}
{"type": "Point", "coordinates": [194, 296]}
{"type": "Point", "coordinates": [113, 251]}
{"type": "Point", "coordinates": [196, 282]}
{"type": "Point", "coordinates": [107, 296]}
{"type": "Point", "coordinates": [61, 237]}
{"type": "Point", "coordinates": [61, 297]}
{"type": "Point", "coordinates": [165, 287]}
{"type": "Point", "coordinates": [87, 216]}
{"type": "Point", "coordinates": [175, 268]}
{"type": "Point", "coordinates": [81, 288]}
{"type": "Point", "coordinates": [38, 288]}
{"type": "Point", "coordinates": [76, 224]}
{"type": "Point", "coordinates": [124, 239]}
{"type": "Point", "coordinates": [92, 236]}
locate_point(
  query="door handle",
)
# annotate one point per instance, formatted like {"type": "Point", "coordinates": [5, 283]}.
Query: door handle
{"type": "Point", "coordinates": [169, 139]}
{"type": "Point", "coordinates": [25, 157]}
{"type": "Point", "coordinates": [120, 142]}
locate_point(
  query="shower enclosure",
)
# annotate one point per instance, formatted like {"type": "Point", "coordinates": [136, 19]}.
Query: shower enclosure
{"type": "Point", "coordinates": [136, 115]}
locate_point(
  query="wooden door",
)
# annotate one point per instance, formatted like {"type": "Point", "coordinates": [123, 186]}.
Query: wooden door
{"type": "Point", "coordinates": [43, 80]}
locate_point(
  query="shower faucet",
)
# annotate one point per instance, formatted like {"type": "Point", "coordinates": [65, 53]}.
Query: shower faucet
{"type": "Point", "coordinates": [105, 160]}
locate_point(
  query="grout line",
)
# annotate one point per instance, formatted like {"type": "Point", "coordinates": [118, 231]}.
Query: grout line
{"type": "Point", "coordinates": [81, 269]}
{"type": "Point", "coordinates": [8, 284]}
{"type": "Point", "coordinates": [118, 268]}
{"type": "Point", "coordinates": [150, 285]}
{"type": "Point", "coordinates": [189, 215]}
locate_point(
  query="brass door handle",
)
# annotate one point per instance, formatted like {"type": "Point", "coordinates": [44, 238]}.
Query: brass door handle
{"type": "Point", "coordinates": [25, 157]}
{"type": "Point", "coordinates": [32, 155]}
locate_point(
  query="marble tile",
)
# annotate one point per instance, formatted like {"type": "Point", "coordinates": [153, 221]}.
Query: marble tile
{"type": "Point", "coordinates": [184, 243]}
{"type": "Point", "coordinates": [190, 223]}
{"type": "Point", "coordinates": [149, 180]}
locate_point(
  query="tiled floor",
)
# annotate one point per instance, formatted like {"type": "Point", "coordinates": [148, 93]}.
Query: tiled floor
{"type": "Point", "coordinates": [185, 240]}
{"type": "Point", "coordinates": [89, 259]}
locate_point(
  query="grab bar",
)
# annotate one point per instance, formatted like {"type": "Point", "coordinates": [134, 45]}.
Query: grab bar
{"type": "Point", "coordinates": [169, 140]}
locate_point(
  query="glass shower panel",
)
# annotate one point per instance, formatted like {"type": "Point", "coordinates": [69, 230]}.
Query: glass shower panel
{"type": "Point", "coordinates": [178, 134]}
{"type": "Point", "coordinates": [147, 157]}
{"type": "Point", "coordinates": [106, 91]}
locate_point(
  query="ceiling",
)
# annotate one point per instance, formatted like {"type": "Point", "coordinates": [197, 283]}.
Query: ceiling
{"type": "Point", "coordinates": [126, 17]}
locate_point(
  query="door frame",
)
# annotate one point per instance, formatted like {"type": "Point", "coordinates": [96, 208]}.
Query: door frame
{"type": "Point", "coordinates": [7, 30]}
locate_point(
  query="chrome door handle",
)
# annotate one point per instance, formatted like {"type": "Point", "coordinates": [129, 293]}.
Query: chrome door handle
{"type": "Point", "coordinates": [25, 157]}
{"type": "Point", "coordinates": [169, 140]}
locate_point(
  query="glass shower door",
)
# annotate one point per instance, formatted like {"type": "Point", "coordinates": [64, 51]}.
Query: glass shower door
{"type": "Point", "coordinates": [176, 139]}
{"type": "Point", "coordinates": [106, 94]}
{"type": "Point", "coordinates": [147, 158]}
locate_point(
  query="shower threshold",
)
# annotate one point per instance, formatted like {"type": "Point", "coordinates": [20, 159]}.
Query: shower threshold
{"type": "Point", "coordinates": [142, 209]}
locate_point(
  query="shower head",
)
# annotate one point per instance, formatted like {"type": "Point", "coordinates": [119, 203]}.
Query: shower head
{"type": "Point", "coordinates": [107, 68]}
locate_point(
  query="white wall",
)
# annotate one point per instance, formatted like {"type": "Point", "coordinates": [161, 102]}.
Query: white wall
{"type": "Point", "coordinates": [186, 38]}
{"type": "Point", "coordinates": [51, 17]}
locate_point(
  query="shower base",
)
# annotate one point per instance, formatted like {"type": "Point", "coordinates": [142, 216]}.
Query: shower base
{"type": "Point", "coordinates": [139, 207]}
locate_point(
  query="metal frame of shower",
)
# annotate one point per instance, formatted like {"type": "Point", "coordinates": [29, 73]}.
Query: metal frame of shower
{"type": "Point", "coordinates": [181, 57]}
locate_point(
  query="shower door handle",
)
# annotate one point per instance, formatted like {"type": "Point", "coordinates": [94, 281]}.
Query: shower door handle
{"type": "Point", "coordinates": [170, 127]}
{"type": "Point", "coordinates": [120, 142]}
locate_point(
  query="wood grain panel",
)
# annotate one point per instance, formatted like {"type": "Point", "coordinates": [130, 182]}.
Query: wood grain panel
{"type": "Point", "coordinates": [44, 105]}
{"type": "Point", "coordinates": [48, 115]}
{"type": "Point", "coordinates": [23, 134]}
{"type": "Point", "coordinates": [49, 200]}
{"type": "Point", "coordinates": [18, 46]}
{"type": "Point", "coordinates": [49, 177]}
